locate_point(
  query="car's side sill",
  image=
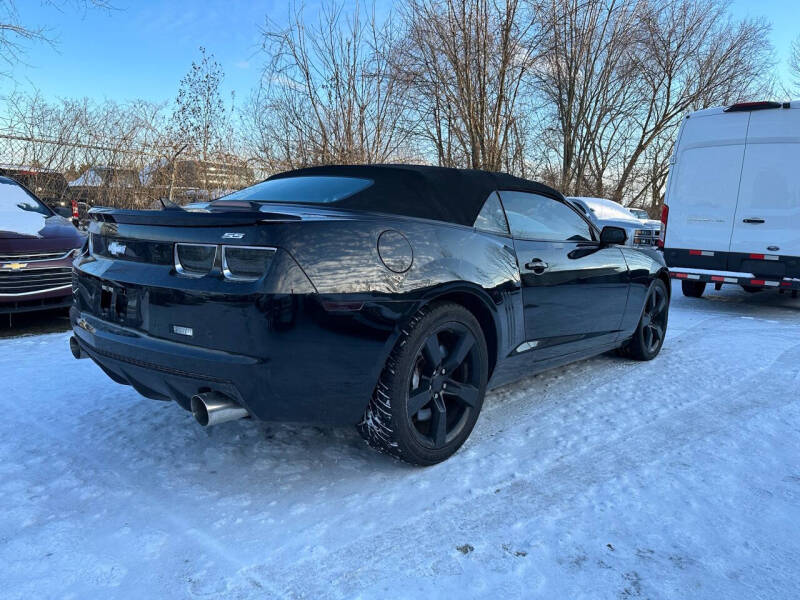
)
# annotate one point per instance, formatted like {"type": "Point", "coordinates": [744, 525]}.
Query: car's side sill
{"type": "Point", "coordinates": [518, 366]}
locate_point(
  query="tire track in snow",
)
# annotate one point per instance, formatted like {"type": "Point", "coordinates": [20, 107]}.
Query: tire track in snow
{"type": "Point", "coordinates": [698, 416]}
{"type": "Point", "coordinates": [148, 506]}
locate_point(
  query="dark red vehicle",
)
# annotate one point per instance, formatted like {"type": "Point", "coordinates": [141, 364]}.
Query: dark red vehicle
{"type": "Point", "coordinates": [37, 247]}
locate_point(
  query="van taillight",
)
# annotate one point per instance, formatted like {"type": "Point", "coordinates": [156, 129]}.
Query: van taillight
{"type": "Point", "coordinates": [662, 235]}
{"type": "Point", "coordinates": [75, 214]}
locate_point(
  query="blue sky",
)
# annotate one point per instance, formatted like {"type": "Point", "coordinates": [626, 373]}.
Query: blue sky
{"type": "Point", "coordinates": [142, 49]}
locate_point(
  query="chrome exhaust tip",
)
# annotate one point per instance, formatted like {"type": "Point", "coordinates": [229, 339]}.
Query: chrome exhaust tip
{"type": "Point", "coordinates": [213, 408]}
{"type": "Point", "coordinates": [75, 348]}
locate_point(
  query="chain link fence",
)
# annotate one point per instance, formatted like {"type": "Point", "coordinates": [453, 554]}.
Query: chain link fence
{"type": "Point", "coordinates": [119, 174]}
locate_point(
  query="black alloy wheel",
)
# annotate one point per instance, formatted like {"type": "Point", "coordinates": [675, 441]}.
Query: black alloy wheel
{"type": "Point", "coordinates": [649, 336]}
{"type": "Point", "coordinates": [444, 387]}
{"type": "Point", "coordinates": [431, 391]}
{"type": "Point", "coordinates": [654, 318]}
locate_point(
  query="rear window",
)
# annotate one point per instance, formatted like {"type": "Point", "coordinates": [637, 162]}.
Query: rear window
{"type": "Point", "coordinates": [308, 189]}
{"type": "Point", "coordinates": [14, 200]}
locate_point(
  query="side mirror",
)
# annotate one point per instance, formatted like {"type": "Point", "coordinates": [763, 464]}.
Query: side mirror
{"type": "Point", "coordinates": [613, 235]}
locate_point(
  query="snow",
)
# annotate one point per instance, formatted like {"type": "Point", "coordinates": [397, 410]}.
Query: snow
{"type": "Point", "coordinates": [677, 478]}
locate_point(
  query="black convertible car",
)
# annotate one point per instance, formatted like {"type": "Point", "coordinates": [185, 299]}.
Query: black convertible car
{"type": "Point", "coordinates": [388, 296]}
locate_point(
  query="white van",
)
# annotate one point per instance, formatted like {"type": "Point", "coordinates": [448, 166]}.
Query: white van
{"type": "Point", "coordinates": [732, 206]}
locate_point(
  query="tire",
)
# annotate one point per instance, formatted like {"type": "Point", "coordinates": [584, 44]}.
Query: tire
{"type": "Point", "coordinates": [751, 289]}
{"type": "Point", "coordinates": [649, 336]}
{"type": "Point", "coordinates": [412, 414]}
{"type": "Point", "coordinates": [693, 289]}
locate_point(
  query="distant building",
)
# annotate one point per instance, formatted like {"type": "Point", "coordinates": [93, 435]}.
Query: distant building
{"type": "Point", "coordinates": [107, 186]}
{"type": "Point", "coordinates": [98, 176]}
{"type": "Point", "coordinates": [196, 180]}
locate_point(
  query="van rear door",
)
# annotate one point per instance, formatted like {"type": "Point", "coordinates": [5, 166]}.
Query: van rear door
{"type": "Point", "coordinates": [704, 181]}
{"type": "Point", "coordinates": [768, 213]}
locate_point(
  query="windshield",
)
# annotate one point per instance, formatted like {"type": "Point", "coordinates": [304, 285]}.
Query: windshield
{"type": "Point", "coordinates": [20, 212]}
{"type": "Point", "coordinates": [607, 209]}
{"type": "Point", "coordinates": [639, 213]}
{"type": "Point", "coordinates": [15, 200]}
{"type": "Point", "coordinates": [308, 189]}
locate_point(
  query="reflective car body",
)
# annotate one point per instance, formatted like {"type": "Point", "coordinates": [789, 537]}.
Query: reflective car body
{"type": "Point", "coordinates": [306, 340]}
{"type": "Point", "coordinates": [37, 247]}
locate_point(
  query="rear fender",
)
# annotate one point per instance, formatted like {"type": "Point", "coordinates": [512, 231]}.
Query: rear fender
{"type": "Point", "coordinates": [491, 308]}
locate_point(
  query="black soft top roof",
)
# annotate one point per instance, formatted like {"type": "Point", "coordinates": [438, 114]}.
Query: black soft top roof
{"type": "Point", "coordinates": [443, 194]}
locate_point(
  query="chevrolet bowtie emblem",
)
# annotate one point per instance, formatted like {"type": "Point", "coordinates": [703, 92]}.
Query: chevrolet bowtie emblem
{"type": "Point", "coordinates": [15, 266]}
{"type": "Point", "coordinates": [116, 248]}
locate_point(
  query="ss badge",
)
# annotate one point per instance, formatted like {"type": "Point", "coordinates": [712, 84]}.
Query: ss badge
{"type": "Point", "coordinates": [232, 235]}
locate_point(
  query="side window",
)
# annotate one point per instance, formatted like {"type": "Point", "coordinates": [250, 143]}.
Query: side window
{"type": "Point", "coordinates": [534, 217]}
{"type": "Point", "coordinates": [492, 218]}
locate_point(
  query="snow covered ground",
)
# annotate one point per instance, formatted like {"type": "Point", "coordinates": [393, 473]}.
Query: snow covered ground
{"type": "Point", "coordinates": [678, 478]}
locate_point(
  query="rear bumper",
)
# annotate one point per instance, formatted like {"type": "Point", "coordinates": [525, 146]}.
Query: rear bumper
{"type": "Point", "coordinates": [312, 373]}
{"type": "Point", "coordinates": [743, 279]}
{"type": "Point", "coordinates": [165, 370]}
{"type": "Point", "coordinates": [762, 266]}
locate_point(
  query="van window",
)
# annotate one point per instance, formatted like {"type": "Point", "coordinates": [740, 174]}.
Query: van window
{"type": "Point", "coordinates": [708, 179]}
{"type": "Point", "coordinates": [769, 177]}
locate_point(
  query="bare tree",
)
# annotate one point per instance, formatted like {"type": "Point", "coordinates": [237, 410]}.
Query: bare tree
{"type": "Point", "coordinates": [200, 120]}
{"type": "Point", "coordinates": [584, 94]}
{"type": "Point", "coordinates": [620, 75]}
{"type": "Point", "coordinates": [586, 77]}
{"type": "Point", "coordinates": [107, 144]}
{"type": "Point", "coordinates": [200, 114]}
{"type": "Point", "coordinates": [329, 92]}
{"type": "Point", "coordinates": [15, 34]}
{"type": "Point", "coordinates": [794, 67]}
{"type": "Point", "coordinates": [691, 57]}
{"type": "Point", "coordinates": [467, 62]}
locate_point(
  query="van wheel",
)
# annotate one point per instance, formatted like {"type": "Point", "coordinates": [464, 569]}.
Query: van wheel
{"type": "Point", "coordinates": [693, 289]}
{"type": "Point", "coordinates": [431, 391]}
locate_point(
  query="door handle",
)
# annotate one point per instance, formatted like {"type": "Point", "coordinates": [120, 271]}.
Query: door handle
{"type": "Point", "coordinates": [753, 220]}
{"type": "Point", "coordinates": [537, 265]}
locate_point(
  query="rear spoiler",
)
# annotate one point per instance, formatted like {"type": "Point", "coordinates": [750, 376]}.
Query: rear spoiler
{"type": "Point", "coordinates": [185, 218]}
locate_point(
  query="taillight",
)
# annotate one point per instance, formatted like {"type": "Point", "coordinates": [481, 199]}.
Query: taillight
{"type": "Point", "coordinates": [239, 263]}
{"type": "Point", "coordinates": [246, 263]}
{"type": "Point", "coordinates": [662, 235]}
{"type": "Point", "coordinates": [194, 260]}
{"type": "Point", "coordinates": [75, 213]}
